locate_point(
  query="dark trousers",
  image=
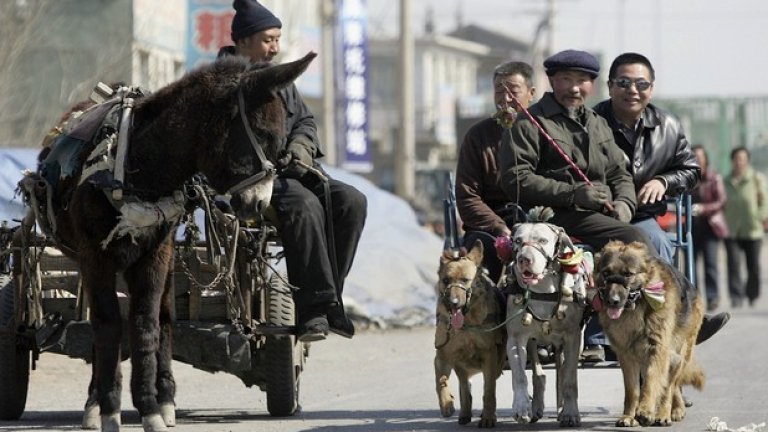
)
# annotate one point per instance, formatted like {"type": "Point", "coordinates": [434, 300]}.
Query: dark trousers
{"type": "Point", "coordinates": [736, 287]}
{"type": "Point", "coordinates": [597, 229]}
{"type": "Point", "coordinates": [301, 211]}
{"type": "Point", "coordinates": [705, 246]}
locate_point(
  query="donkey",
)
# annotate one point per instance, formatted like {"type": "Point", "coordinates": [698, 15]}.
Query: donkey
{"type": "Point", "coordinates": [195, 125]}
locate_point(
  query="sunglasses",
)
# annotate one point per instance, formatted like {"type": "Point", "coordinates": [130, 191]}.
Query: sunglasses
{"type": "Point", "coordinates": [640, 84]}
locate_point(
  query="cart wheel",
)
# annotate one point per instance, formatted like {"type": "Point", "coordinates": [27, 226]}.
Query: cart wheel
{"type": "Point", "coordinates": [283, 354]}
{"type": "Point", "coordinates": [14, 358]}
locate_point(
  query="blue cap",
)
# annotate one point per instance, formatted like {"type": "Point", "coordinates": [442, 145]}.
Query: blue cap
{"type": "Point", "coordinates": [251, 17]}
{"type": "Point", "coordinates": [573, 60]}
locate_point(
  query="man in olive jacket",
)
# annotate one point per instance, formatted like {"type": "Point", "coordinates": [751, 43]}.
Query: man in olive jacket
{"type": "Point", "coordinates": [534, 173]}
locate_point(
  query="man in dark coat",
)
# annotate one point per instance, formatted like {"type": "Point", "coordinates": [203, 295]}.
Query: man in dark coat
{"type": "Point", "coordinates": [299, 197]}
{"type": "Point", "coordinates": [480, 200]}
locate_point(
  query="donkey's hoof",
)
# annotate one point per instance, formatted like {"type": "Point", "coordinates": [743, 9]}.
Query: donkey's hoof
{"type": "Point", "coordinates": [110, 423]}
{"type": "Point", "coordinates": [153, 423]}
{"type": "Point", "coordinates": [91, 420]}
{"type": "Point", "coordinates": [168, 412]}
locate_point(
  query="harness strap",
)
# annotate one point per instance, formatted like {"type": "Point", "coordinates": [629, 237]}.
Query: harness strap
{"type": "Point", "coordinates": [123, 139]}
{"type": "Point", "coordinates": [267, 166]}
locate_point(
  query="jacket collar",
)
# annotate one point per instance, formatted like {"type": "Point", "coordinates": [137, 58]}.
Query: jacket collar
{"type": "Point", "coordinates": [650, 116]}
{"type": "Point", "coordinates": [550, 107]}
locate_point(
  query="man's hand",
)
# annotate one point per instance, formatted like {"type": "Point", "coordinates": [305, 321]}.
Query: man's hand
{"type": "Point", "coordinates": [621, 211]}
{"type": "Point", "coordinates": [296, 152]}
{"type": "Point", "coordinates": [592, 197]}
{"type": "Point", "coordinates": [651, 192]}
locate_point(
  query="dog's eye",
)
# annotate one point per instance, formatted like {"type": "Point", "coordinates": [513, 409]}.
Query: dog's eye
{"type": "Point", "coordinates": [627, 273]}
{"type": "Point", "coordinates": [542, 241]}
{"type": "Point", "coordinates": [465, 281]}
{"type": "Point", "coordinates": [446, 281]}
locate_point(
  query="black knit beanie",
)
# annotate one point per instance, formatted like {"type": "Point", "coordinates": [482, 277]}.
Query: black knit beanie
{"type": "Point", "coordinates": [251, 17]}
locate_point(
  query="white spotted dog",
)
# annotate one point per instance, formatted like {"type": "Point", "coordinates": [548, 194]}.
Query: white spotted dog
{"type": "Point", "coordinates": [546, 281]}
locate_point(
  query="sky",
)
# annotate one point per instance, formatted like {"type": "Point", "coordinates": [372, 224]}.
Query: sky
{"type": "Point", "coordinates": [698, 47]}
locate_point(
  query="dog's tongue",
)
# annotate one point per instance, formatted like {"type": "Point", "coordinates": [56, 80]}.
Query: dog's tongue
{"type": "Point", "coordinates": [457, 319]}
{"type": "Point", "coordinates": [614, 313]}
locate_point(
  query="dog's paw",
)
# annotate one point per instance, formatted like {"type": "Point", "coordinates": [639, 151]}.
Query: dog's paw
{"type": "Point", "coordinates": [678, 414]}
{"type": "Point", "coordinates": [663, 422]}
{"type": "Point", "coordinates": [465, 420]}
{"type": "Point", "coordinates": [569, 420]}
{"type": "Point", "coordinates": [627, 421]}
{"type": "Point", "coordinates": [644, 418]}
{"type": "Point", "coordinates": [487, 421]}
{"type": "Point", "coordinates": [521, 414]}
{"type": "Point", "coordinates": [537, 410]}
{"type": "Point", "coordinates": [447, 409]}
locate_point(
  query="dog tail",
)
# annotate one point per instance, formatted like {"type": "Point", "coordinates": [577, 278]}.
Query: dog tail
{"type": "Point", "coordinates": [693, 375]}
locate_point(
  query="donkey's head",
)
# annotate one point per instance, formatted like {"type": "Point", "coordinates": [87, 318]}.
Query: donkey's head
{"type": "Point", "coordinates": [248, 154]}
{"type": "Point", "coordinates": [225, 120]}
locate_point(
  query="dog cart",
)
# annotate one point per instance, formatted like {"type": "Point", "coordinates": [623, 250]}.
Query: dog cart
{"type": "Point", "coordinates": [233, 308]}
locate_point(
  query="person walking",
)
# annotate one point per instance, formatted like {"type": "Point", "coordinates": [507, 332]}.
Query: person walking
{"type": "Point", "coordinates": [709, 225]}
{"type": "Point", "coordinates": [746, 211]}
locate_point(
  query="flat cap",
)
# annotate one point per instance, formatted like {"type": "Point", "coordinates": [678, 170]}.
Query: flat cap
{"type": "Point", "coordinates": [572, 60]}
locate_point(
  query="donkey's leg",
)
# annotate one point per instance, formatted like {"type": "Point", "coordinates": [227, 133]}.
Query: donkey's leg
{"type": "Point", "coordinates": [166, 386]}
{"type": "Point", "coordinates": [91, 419]}
{"type": "Point", "coordinates": [98, 277]}
{"type": "Point", "coordinates": [146, 282]}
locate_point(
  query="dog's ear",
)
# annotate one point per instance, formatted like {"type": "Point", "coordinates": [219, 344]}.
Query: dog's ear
{"type": "Point", "coordinates": [476, 254]}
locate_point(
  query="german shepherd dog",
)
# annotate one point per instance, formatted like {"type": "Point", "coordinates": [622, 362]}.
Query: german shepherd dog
{"type": "Point", "coordinates": [651, 315]}
{"type": "Point", "coordinates": [466, 340]}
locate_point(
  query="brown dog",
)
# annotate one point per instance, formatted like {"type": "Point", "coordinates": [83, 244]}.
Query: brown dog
{"type": "Point", "coordinates": [651, 315]}
{"type": "Point", "coordinates": [465, 339]}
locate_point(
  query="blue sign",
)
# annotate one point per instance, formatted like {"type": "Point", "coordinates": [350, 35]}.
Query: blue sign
{"type": "Point", "coordinates": [352, 73]}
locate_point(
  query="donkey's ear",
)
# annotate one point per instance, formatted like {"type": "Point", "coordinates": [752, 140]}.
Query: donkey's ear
{"type": "Point", "coordinates": [279, 76]}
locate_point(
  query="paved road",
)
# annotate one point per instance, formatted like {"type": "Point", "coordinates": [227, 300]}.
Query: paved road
{"type": "Point", "coordinates": [383, 381]}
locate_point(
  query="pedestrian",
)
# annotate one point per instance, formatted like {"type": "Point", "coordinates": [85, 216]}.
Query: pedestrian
{"type": "Point", "coordinates": [746, 212]}
{"type": "Point", "coordinates": [709, 226]}
{"type": "Point", "coordinates": [300, 198]}
{"type": "Point", "coordinates": [481, 202]}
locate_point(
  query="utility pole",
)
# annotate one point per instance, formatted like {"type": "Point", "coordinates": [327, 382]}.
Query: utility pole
{"type": "Point", "coordinates": [405, 165]}
{"type": "Point", "coordinates": [328, 17]}
{"type": "Point", "coordinates": [550, 28]}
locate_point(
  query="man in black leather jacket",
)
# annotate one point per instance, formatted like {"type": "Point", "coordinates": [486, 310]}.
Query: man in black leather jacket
{"type": "Point", "coordinates": [299, 195]}
{"type": "Point", "coordinates": [658, 155]}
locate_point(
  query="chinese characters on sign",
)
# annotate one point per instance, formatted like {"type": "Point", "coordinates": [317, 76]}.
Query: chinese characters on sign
{"type": "Point", "coordinates": [352, 71]}
{"type": "Point", "coordinates": [210, 24]}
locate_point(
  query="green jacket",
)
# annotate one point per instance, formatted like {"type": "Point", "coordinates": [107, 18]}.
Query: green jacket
{"type": "Point", "coordinates": [745, 205]}
{"type": "Point", "coordinates": [543, 176]}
